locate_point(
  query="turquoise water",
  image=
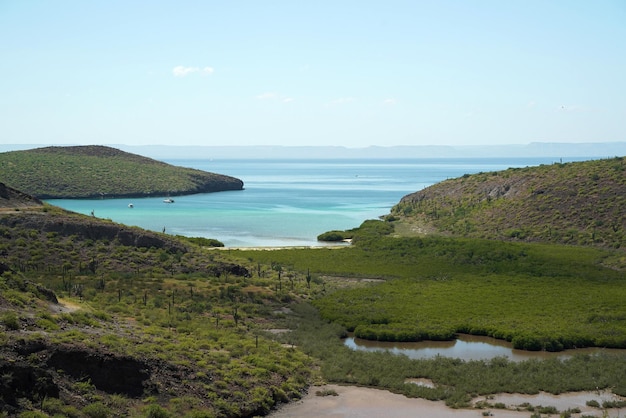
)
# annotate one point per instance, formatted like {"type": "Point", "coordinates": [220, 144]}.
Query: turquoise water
{"type": "Point", "coordinates": [288, 202]}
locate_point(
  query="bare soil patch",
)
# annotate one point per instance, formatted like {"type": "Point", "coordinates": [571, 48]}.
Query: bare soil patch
{"type": "Point", "coordinates": [359, 402]}
{"type": "Point", "coordinates": [64, 306]}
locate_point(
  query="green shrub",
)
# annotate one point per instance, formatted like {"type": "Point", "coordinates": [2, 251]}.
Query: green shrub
{"type": "Point", "coordinates": [56, 407]}
{"type": "Point", "coordinates": [547, 410]}
{"type": "Point", "coordinates": [84, 388]}
{"type": "Point", "coordinates": [203, 242]}
{"type": "Point", "coordinates": [47, 324]}
{"type": "Point", "coordinates": [97, 410]}
{"type": "Point", "coordinates": [334, 236]}
{"type": "Point", "coordinates": [10, 320]}
{"type": "Point", "coordinates": [326, 392]}
{"type": "Point", "coordinates": [372, 230]}
{"type": "Point", "coordinates": [527, 342]}
{"type": "Point", "coordinates": [199, 414]}
{"type": "Point", "coordinates": [156, 411]}
{"type": "Point", "coordinates": [593, 403]}
{"type": "Point", "coordinates": [32, 414]}
{"type": "Point", "coordinates": [613, 404]}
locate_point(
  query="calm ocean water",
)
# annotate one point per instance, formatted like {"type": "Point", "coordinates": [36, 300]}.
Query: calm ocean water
{"type": "Point", "coordinates": [289, 202]}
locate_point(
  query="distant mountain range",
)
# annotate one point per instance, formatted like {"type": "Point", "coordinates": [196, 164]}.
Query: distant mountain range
{"type": "Point", "coordinates": [534, 149]}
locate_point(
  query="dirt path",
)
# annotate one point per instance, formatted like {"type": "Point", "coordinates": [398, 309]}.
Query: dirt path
{"type": "Point", "coordinates": [65, 306]}
{"type": "Point", "coordinates": [358, 402]}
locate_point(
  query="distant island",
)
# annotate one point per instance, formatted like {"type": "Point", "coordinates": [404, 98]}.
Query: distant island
{"type": "Point", "coordinates": [93, 171]}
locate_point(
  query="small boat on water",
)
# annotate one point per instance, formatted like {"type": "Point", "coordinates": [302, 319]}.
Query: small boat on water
{"type": "Point", "coordinates": [130, 205]}
{"type": "Point", "coordinates": [168, 200]}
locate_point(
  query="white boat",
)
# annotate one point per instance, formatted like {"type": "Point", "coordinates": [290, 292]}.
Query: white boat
{"type": "Point", "coordinates": [168, 200]}
{"type": "Point", "coordinates": [130, 205]}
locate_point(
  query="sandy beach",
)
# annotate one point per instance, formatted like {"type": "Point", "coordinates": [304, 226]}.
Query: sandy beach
{"type": "Point", "coordinates": [358, 402]}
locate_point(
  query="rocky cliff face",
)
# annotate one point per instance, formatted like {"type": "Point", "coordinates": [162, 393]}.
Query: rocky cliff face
{"type": "Point", "coordinates": [14, 199]}
{"type": "Point", "coordinates": [92, 229]}
{"type": "Point", "coordinates": [52, 369]}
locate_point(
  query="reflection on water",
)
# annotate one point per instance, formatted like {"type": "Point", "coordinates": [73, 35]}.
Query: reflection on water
{"type": "Point", "coordinates": [466, 347]}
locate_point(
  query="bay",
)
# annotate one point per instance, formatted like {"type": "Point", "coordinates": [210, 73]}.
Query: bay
{"type": "Point", "coordinates": [288, 202]}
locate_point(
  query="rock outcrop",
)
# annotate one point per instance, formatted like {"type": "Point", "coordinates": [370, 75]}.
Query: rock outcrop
{"type": "Point", "coordinates": [14, 199]}
{"type": "Point", "coordinates": [93, 229]}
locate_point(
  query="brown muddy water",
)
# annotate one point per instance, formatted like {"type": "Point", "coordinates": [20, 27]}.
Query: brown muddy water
{"type": "Point", "coordinates": [467, 347]}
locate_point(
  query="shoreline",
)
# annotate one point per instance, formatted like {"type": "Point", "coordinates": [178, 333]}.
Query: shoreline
{"type": "Point", "coordinates": [362, 402]}
{"type": "Point", "coordinates": [283, 247]}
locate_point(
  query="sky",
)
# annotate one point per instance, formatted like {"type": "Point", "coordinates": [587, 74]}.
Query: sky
{"type": "Point", "coordinates": [342, 72]}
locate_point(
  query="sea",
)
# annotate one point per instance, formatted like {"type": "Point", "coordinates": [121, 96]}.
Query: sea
{"type": "Point", "coordinates": [290, 202]}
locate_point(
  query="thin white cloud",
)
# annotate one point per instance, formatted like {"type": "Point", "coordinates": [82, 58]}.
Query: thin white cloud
{"type": "Point", "coordinates": [389, 102]}
{"type": "Point", "coordinates": [266, 96]}
{"type": "Point", "coordinates": [182, 71]}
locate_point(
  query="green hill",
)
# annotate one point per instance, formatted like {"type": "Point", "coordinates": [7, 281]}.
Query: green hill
{"type": "Point", "coordinates": [99, 171]}
{"type": "Point", "coordinates": [582, 203]}
{"type": "Point", "coordinates": [98, 319]}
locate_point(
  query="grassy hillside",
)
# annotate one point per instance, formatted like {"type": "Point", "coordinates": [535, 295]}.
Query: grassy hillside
{"type": "Point", "coordinates": [582, 203]}
{"type": "Point", "coordinates": [98, 171]}
{"type": "Point", "coordinates": [99, 319]}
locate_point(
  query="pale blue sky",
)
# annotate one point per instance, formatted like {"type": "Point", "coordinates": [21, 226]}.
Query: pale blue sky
{"type": "Point", "coordinates": [350, 73]}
